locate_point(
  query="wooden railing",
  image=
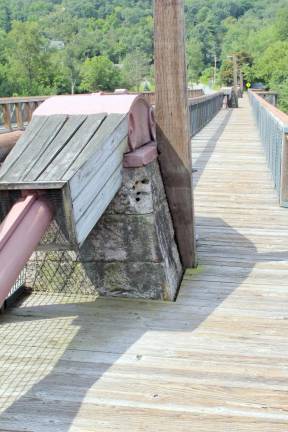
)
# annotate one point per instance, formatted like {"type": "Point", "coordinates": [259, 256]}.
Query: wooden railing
{"type": "Point", "coordinates": [16, 112]}
{"type": "Point", "coordinates": [203, 109]}
{"type": "Point", "coordinates": [273, 127]}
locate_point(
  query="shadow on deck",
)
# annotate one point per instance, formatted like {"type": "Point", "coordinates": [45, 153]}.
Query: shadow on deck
{"type": "Point", "coordinates": [204, 362]}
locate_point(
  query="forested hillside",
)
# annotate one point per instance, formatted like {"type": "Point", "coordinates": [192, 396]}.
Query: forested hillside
{"type": "Point", "coordinates": [58, 46]}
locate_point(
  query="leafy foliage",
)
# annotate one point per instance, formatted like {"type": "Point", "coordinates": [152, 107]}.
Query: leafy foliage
{"type": "Point", "coordinates": [67, 46]}
{"type": "Point", "coordinates": [99, 73]}
{"type": "Point", "coordinates": [264, 40]}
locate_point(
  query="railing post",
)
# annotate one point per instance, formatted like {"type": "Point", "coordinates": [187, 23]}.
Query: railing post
{"type": "Point", "coordinates": [29, 111]}
{"type": "Point", "coordinates": [19, 117]}
{"type": "Point", "coordinates": [7, 116]}
{"type": "Point", "coordinates": [284, 172]}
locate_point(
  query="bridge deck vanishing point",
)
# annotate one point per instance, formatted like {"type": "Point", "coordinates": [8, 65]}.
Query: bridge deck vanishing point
{"type": "Point", "coordinates": [215, 360]}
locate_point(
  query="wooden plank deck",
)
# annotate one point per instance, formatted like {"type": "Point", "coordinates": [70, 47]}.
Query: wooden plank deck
{"type": "Point", "coordinates": [216, 360]}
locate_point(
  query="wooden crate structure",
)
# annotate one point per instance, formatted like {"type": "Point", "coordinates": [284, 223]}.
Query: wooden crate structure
{"type": "Point", "coordinates": [73, 150]}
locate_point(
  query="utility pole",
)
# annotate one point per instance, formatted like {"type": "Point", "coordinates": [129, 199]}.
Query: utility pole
{"type": "Point", "coordinates": [235, 78]}
{"type": "Point", "coordinates": [173, 130]}
{"type": "Point", "coordinates": [241, 82]}
{"type": "Point", "coordinates": [215, 68]}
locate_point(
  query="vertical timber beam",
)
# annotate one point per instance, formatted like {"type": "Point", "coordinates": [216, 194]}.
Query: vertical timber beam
{"type": "Point", "coordinates": [19, 117]}
{"type": "Point", "coordinates": [173, 131]}
{"type": "Point", "coordinates": [284, 173]}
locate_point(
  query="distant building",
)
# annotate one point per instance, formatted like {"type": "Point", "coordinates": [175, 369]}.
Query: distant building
{"type": "Point", "coordinates": [57, 44]}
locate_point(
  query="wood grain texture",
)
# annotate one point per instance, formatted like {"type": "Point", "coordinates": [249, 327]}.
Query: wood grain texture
{"type": "Point", "coordinates": [97, 182]}
{"type": "Point", "coordinates": [74, 148]}
{"type": "Point", "coordinates": [173, 134]}
{"type": "Point", "coordinates": [103, 144]}
{"type": "Point", "coordinates": [98, 205]}
{"type": "Point", "coordinates": [30, 134]}
{"type": "Point", "coordinates": [33, 151]}
{"type": "Point", "coordinates": [214, 360]}
{"type": "Point", "coordinates": [83, 152]}
{"type": "Point", "coordinates": [61, 140]}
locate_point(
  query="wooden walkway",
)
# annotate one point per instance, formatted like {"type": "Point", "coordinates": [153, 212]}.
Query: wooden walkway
{"type": "Point", "coordinates": [216, 360]}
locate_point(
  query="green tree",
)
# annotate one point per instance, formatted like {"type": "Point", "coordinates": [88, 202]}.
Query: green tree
{"type": "Point", "coordinates": [226, 73]}
{"type": "Point", "coordinates": [28, 69]}
{"type": "Point", "coordinates": [195, 63]}
{"type": "Point", "coordinates": [99, 73]}
{"type": "Point", "coordinates": [282, 24]}
{"type": "Point", "coordinates": [5, 15]}
{"type": "Point", "coordinates": [272, 68]}
{"type": "Point", "coordinates": [135, 68]}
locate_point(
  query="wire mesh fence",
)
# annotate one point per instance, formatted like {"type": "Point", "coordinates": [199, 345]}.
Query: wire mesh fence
{"type": "Point", "coordinates": [19, 283]}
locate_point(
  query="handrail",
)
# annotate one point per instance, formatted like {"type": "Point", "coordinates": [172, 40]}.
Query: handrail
{"type": "Point", "coordinates": [202, 110]}
{"type": "Point", "coordinates": [151, 96]}
{"type": "Point", "coordinates": [268, 95]}
{"type": "Point", "coordinates": [19, 99]}
{"type": "Point", "coordinates": [273, 127]}
{"type": "Point", "coordinates": [204, 98]}
{"type": "Point", "coordinates": [16, 112]}
{"type": "Point", "coordinates": [279, 115]}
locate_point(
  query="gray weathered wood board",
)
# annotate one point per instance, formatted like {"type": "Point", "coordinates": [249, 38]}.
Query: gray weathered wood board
{"type": "Point", "coordinates": [80, 154]}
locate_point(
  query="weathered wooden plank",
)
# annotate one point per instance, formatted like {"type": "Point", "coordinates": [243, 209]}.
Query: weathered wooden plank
{"type": "Point", "coordinates": [31, 132]}
{"type": "Point", "coordinates": [33, 152]}
{"type": "Point", "coordinates": [112, 131]}
{"type": "Point", "coordinates": [68, 213]}
{"type": "Point", "coordinates": [55, 147]}
{"type": "Point", "coordinates": [66, 157]}
{"type": "Point", "coordinates": [97, 207]}
{"type": "Point", "coordinates": [102, 150]}
{"type": "Point", "coordinates": [100, 178]}
{"type": "Point", "coordinates": [31, 185]}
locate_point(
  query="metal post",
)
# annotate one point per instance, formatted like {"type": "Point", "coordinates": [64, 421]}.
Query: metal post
{"type": "Point", "coordinates": [284, 172]}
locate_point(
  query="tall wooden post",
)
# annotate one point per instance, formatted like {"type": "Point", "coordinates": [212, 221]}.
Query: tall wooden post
{"type": "Point", "coordinates": [173, 132]}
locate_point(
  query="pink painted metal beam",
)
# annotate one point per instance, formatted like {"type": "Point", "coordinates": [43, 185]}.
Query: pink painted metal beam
{"type": "Point", "coordinates": [7, 142]}
{"type": "Point", "coordinates": [20, 233]}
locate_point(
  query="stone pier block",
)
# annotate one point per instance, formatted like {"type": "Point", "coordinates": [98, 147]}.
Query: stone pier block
{"type": "Point", "coordinates": [131, 252]}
